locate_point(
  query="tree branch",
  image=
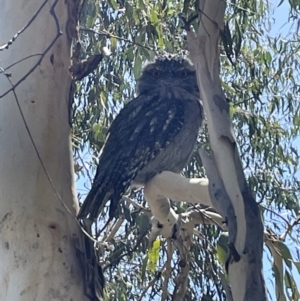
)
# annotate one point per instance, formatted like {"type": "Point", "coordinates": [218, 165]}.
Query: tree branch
{"type": "Point", "coordinates": [228, 187]}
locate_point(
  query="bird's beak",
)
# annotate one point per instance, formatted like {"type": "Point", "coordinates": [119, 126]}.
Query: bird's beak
{"type": "Point", "coordinates": [167, 82]}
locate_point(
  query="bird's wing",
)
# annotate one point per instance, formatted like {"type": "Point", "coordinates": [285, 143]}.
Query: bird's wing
{"type": "Point", "coordinates": [142, 128]}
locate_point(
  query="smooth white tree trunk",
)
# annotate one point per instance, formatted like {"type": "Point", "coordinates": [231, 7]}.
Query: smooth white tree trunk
{"type": "Point", "coordinates": [229, 190]}
{"type": "Point", "coordinates": [37, 234]}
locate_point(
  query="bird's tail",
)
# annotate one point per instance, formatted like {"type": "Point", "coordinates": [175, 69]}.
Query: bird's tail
{"type": "Point", "coordinates": [95, 201]}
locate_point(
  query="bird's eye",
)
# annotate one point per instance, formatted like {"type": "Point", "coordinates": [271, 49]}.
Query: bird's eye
{"type": "Point", "coordinates": [183, 74]}
{"type": "Point", "coordinates": [156, 73]}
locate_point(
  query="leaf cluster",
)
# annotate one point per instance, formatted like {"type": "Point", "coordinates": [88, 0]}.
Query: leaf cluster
{"type": "Point", "coordinates": [260, 76]}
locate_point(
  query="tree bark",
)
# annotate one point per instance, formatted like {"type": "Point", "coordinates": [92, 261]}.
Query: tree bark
{"type": "Point", "coordinates": [228, 188]}
{"type": "Point", "coordinates": [37, 233]}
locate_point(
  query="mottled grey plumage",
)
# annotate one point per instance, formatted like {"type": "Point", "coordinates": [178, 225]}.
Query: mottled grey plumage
{"type": "Point", "coordinates": [155, 131]}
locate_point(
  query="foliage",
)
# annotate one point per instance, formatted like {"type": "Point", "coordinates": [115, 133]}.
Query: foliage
{"type": "Point", "coordinates": [260, 76]}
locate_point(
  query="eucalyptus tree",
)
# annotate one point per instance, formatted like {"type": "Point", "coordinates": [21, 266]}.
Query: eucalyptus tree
{"type": "Point", "coordinates": [259, 76]}
{"type": "Point", "coordinates": [41, 239]}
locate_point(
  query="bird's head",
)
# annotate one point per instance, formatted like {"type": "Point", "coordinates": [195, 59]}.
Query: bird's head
{"type": "Point", "coordinates": [168, 73]}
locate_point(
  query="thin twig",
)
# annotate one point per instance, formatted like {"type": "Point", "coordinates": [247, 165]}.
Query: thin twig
{"type": "Point", "coordinates": [276, 213]}
{"type": "Point", "coordinates": [139, 240]}
{"type": "Point", "coordinates": [290, 228]}
{"type": "Point", "coordinates": [109, 35]}
{"type": "Point", "coordinates": [114, 229]}
{"type": "Point", "coordinates": [59, 33]}
{"type": "Point", "coordinates": [151, 283]}
{"type": "Point", "coordinates": [168, 270]}
{"type": "Point", "coordinates": [85, 168]}
{"type": "Point", "coordinates": [137, 206]}
{"type": "Point", "coordinates": [5, 46]}
{"type": "Point", "coordinates": [21, 60]}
